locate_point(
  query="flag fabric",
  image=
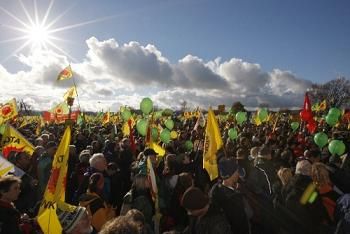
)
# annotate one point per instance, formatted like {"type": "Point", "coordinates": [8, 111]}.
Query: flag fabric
{"type": "Point", "coordinates": [157, 148]}
{"type": "Point", "coordinates": [323, 105]}
{"type": "Point", "coordinates": [7, 167]}
{"type": "Point", "coordinates": [55, 189]}
{"type": "Point", "coordinates": [8, 110]}
{"type": "Point", "coordinates": [71, 93]}
{"type": "Point", "coordinates": [12, 140]}
{"type": "Point", "coordinates": [106, 118]}
{"type": "Point", "coordinates": [65, 74]}
{"type": "Point", "coordinates": [213, 142]}
{"type": "Point", "coordinates": [60, 109]}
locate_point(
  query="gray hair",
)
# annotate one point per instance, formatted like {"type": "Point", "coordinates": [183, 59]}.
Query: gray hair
{"type": "Point", "coordinates": [95, 158]}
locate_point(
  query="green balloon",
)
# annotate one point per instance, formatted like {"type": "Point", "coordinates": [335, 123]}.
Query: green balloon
{"type": "Point", "coordinates": [165, 136]}
{"type": "Point", "coordinates": [336, 147]}
{"type": "Point", "coordinates": [158, 114]}
{"type": "Point", "coordinates": [146, 105]}
{"type": "Point", "coordinates": [169, 123]}
{"type": "Point", "coordinates": [294, 126]}
{"type": "Point", "coordinates": [141, 127]}
{"type": "Point", "coordinates": [331, 119]}
{"type": "Point", "coordinates": [262, 114]}
{"type": "Point", "coordinates": [126, 114]}
{"type": "Point", "coordinates": [232, 133]}
{"type": "Point", "coordinates": [321, 139]}
{"type": "Point", "coordinates": [154, 133]}
{"type": "Point", "coordinates": [188, 145]}
{"type": "Point", "coordinates": [334, 111]}
{"type": "Point", "coordinates": [241, 117]}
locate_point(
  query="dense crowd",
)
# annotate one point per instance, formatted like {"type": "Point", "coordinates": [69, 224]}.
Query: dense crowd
{"type": "Point", "coordinates": [272, 179]}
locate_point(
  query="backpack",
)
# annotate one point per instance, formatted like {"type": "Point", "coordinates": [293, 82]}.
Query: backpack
{"type": "Point", "coordinates": [342, 214]}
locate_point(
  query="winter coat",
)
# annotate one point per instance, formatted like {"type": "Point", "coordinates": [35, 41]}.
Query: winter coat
{"type": "Point", "coordinates": [213, 222]}
{"type": "Point", "coordinates": [98, 209]}
{"type": "Point", "coordinates": [9, 219]}
{"type": "Point", "coordinates": [232, 203]}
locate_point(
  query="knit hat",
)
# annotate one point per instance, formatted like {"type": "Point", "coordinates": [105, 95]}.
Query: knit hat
{"type": "Point", "coordinates": [69, 219]}
{"type": "Point", "coordinates": [227, 166]}
{"type": "Point", "coordinates": [194, 199]}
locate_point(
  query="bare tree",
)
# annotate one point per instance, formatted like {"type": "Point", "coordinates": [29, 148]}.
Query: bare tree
{"type": "Point", "coordinates": [336, 92]}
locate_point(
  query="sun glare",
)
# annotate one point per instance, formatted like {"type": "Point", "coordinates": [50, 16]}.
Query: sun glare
{"type": "Point", "coordinates": [38, 32]}
{"type": "Point", "coordinates": [38, 35]}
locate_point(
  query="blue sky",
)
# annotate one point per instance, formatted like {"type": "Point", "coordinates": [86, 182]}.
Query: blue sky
{"type": "Point", "coordinates": [303, 40]}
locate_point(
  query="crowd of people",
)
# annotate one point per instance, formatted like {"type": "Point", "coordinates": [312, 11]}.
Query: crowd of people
{"type": "Point", "coordinates": [272, 179]}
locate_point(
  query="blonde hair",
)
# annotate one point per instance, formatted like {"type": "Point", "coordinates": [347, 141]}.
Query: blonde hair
{"type": "Point", "coordinates": [320, 174]}
{"type": "Point", "coordinates": [285, 174]}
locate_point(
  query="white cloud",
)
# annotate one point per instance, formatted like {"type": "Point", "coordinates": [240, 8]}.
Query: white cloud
{"type": "Point", "coordinates": [112, 75]}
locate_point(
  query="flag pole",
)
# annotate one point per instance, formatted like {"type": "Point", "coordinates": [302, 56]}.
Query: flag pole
{"type": "Point", "coordinates": [75, 86]}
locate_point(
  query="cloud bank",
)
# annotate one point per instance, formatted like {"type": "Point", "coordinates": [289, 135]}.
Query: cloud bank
{"type": "Point", "coordinates": [111, 75]}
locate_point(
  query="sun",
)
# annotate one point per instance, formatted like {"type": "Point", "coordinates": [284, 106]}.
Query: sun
{"type": "Point", "coordinates": [38, 36]}
{"type": "Point", "coordinates": [38, 32]}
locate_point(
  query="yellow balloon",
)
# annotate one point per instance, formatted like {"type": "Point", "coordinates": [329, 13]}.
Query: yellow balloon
{"type": "Point", "coordinates": [173, 134]}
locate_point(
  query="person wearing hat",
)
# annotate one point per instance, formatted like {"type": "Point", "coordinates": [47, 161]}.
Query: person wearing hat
{"type": "Point", "coordinates": [76, 221]}
{"type": "Point", "coordinates": [227, 198]}
{"type": "Point", "coordinates": [204, 217]}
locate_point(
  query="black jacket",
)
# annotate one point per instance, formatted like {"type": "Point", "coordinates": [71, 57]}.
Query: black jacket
{"type": "Point", "coordinates": [9, 219]}
{"type": "Point", "coordinates": [213, 222]}
{"type": "Point", "coordinates": [232, 204]}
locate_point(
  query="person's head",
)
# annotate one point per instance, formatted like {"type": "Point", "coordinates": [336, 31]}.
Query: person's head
{"type": "Point", "coordinates": [10, 188]}
{"type": "Point", "coordinates": [313, 155]}
{"type": "Point", "coordinates": [320, 174]}
{"type": "Point", "coordinates": [140, 182]}
{"type": "Point", "coordinates": [77, 221]}
{"type": "Point", "coordinates": [72, 151]}
{"type": "Point", "coordinates": [96, 183]}
{"type": "Point", "coordinates": [195, 202]}
{"type": "Point", "coordinates": [265, 152]}
{"type": "Point", "coordinates": [241, 154]}
{"type": "Point", "coordinates": [303, 167]}
{"type": "Point", "coordinates": [23, 160]}
{"type": "Point", "coordinates": [254, 153]}
{"type": "Point", "coordinates": [51, 148]}
{"type": "Point", "coordinates": [285, 174]}
{"type": "Point", "coordinates": [98, 161]}
{"type": "Point", "coordinates": [45, 138]}
{"type": "Point", "coordinates": [229, 171]}
{"type": "Point", "coordinates": [120, 225]}
{"type": "Point", "coordinates": [84, 156]}
{"type": "Point", "coordinates": [125, 143]}
{"type": "Point", "coordinates": [138, 217]}
{"type": "Point", "coordinates": [170, 165]}
{"type": "Point", "coordinates": [148, 152]}
{"type": "Point", "coordinates": [39, 142]}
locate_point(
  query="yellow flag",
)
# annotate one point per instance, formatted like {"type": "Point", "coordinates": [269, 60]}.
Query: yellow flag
{"type": "Point", "coordinates": [213, 142]}
{"type": "Point", "coordinates": [66, 73]}
{"type": "Point", "coordinates": [8, 110]}
{"type": "Point", "coordinates": [71, 93]}
{"type": "Point", "coordinates": [106, 118]}
{"type": "Point", "coordinates": [126, 129]}
{"type": "Point", "coordinates": [157, 148]}
{"type": "Point", "coordinates": [12, 140]}
{"type": "Point", "coordinates": [55, 189]}
{"type": "Point", "coordinates": [7, 167]}
{"type": "Point", "coordinates": [323, 105]}
{"type": "Point", "coordinates": [257, 120]}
